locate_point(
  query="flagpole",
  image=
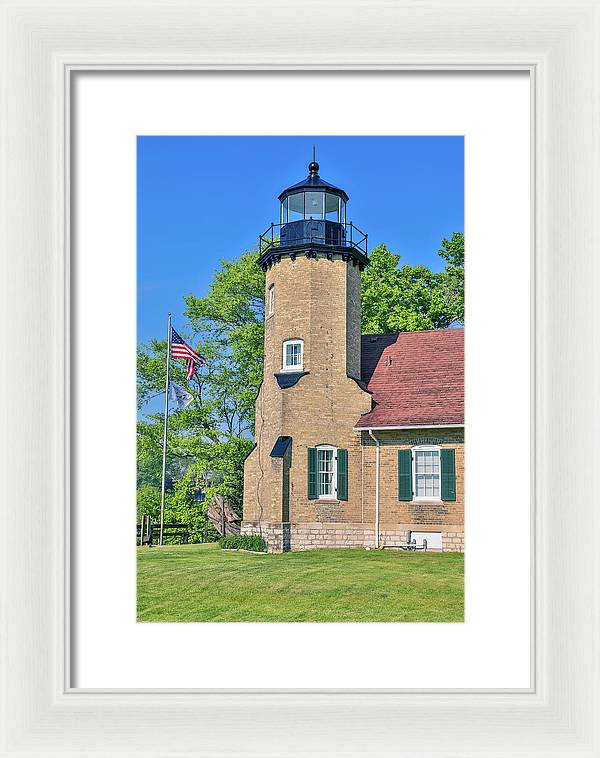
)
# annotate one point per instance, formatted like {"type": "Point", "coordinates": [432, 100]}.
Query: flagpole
{"type": "Point", "coordinates": [164, 460]}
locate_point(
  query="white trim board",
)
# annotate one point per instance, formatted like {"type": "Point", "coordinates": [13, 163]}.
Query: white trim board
{"type": "Point", "coordinates": [393, 428]}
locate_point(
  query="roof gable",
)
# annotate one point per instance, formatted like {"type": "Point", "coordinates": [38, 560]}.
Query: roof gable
{"type": "Point", "coordinates": [417, 378]}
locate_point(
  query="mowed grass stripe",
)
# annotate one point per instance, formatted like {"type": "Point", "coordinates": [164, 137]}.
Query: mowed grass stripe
{"type": "Point", "coordinates": [191, 583]}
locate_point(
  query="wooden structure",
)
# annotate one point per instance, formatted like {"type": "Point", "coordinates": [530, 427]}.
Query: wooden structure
{"type": "Point", "coordinates": [150, 532]}
{"type": "Point", "coordinates": [222, 516]}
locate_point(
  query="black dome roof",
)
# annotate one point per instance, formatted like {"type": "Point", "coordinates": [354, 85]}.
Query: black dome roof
{"type": "Point", "coordinates": [313, 182]}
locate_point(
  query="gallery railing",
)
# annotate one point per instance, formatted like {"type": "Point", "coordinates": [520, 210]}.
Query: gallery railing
{"type": "Point", "coordinates": [313, 232]}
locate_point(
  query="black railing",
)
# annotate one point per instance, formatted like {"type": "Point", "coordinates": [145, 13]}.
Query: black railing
{"type": "Point", "coordinates": [313, 232]}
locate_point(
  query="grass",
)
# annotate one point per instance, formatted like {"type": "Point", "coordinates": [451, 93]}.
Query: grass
{"type": "Point", "coordinates": [205, 583]}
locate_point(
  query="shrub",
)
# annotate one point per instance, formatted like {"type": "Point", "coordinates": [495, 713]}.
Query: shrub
{"type": "Point", "coordinates": [243, 542]}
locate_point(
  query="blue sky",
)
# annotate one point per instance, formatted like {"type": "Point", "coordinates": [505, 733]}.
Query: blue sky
{"type": "Point", "coordinates": [201, 199]}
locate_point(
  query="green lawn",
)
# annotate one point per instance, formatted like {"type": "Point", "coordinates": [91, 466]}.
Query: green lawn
{"type": "Point", "coordinates": [205, 583]}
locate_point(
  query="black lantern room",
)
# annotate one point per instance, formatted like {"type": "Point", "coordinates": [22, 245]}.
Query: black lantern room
{"type": "Point", "coordinates": [312, 220]}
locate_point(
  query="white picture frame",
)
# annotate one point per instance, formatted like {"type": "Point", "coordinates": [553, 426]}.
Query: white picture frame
{"type": "Point", "coordinates": [44, 43]}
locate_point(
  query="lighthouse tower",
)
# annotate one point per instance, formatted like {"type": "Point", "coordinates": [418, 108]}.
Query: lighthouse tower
{"type": "Point", "coordinates": [305, 470]}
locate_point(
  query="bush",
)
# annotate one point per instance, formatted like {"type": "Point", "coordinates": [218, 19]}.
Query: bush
{"type": "Point", "coordinates": [243, 542]}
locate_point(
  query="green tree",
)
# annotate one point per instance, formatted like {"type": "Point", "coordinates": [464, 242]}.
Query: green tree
{"type": "Point", "coordinates": [208, 440]}
{"type": "Point", "coordinates": [453, 252]}
{"type": "Point", "coordinates": [229, 321]}
{"type": "Point", "coordinates": [148, 502]}
{"type": "Point", "coordinates": [404, 298]}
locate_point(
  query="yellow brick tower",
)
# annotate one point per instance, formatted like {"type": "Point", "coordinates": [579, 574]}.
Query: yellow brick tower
{"type": "Point", "coordinates": [306, 468]}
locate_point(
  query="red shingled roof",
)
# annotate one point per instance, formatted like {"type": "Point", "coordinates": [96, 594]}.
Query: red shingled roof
{"type": "Point", "coordinates": [417, 378]}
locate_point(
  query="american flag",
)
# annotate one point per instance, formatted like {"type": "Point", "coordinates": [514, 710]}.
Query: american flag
{"type": "Point", "coordinates": [180, 349]}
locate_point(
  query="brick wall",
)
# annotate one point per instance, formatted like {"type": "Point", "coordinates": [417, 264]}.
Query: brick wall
{"type": "Point", "coordinates": [353, 340]}
{"type": "Point", "coordinates": [448, 516]}
{"type": "Point", "coordinates": [318, 524]}
{"type": "Point", "coordinates": [316, 300]}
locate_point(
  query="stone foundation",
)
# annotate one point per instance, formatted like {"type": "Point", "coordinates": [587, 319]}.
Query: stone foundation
{"type": "Point", "coordinates": [453, 542]}
{"type": "Point", "coordinates": [283, 537]}
{"type": "Point", "coordinates": [310, 536]}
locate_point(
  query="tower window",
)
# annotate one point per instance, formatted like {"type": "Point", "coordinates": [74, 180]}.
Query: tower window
{"type": "Point", "coordinates": [271, 308]}
{"type": "Point", "coordinates": [293, 355]}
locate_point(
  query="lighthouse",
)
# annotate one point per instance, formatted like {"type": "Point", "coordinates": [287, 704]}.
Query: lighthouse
{"type": "Point", "coordinates": [306, 467]}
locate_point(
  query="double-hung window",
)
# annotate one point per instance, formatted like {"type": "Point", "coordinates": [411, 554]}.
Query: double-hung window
{"type": "Point", "coordinates": [426, 474]}
{"type": "Point", "coordinates": [293, 355]}
{"type": "Point", "coordinates": [326, 471]}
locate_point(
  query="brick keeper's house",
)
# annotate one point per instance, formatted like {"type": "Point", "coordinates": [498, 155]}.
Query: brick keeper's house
{"type": "Point", "coordinates": [359, 439]}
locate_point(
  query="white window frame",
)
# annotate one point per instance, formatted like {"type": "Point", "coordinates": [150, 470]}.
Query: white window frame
{"type": "Point", "coordinates": [296, 367]}
{"type": "Point", "coordinates": [333, 495]}
{"type": "Point", "coordinates": [271, 300]}
{"type": "Point", "coordinates": [426, 448]}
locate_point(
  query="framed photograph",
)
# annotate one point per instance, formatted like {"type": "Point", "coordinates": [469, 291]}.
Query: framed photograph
{"type": "Point", "coordinates": [386, 351]}
{"type": "Point", "coordinates": [240, 246]}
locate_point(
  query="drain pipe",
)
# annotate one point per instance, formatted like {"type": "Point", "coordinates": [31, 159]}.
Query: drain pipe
{"type": "Point", "coordinates": [374, 438]}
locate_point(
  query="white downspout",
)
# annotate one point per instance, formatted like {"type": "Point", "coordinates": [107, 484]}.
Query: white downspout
{"type": "Point", "coordinates": [374, 438]}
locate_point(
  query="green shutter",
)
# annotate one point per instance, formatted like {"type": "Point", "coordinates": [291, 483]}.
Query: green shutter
{"type": "Point", "coordinates": [448, 474]}
{"type": "Point", "coordinates": [312, 473]}
{"type": "Point", "coordinates": [342, 474]}
{"type": "Point", "coordinates": [405, 487]}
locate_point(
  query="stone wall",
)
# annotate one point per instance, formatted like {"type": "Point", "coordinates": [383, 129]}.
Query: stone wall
{"type": "Point", "coordinates": [272, 533]}
{"type": "Point", "coordinates": [282, 537]}
{"type": "Point", "coordinates": [310, 536]}
{"type": "Point", "coordinates": [453, 542]}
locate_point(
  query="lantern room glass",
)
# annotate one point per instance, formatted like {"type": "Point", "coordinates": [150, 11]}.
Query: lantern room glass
{"type": "Point", "coordinates": [332, 207]}
{"type": "Point", "coordinates": [295, 207]}
{"type": "Point", "coordinates": [313, 205]}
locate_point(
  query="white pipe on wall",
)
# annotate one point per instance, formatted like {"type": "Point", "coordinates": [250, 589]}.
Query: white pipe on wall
{"type": "Point", "coordinates": [374, 438]}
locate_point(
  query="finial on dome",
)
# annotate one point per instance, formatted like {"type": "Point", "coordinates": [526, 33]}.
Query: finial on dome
{"type": "Point", "coordinates": [313, 166]}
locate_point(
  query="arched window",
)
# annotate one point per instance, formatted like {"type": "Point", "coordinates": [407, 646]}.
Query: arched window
{"type": "Point", "coordinates": [293, 355]}
{"type": "Point", "coordinates": [426, 472]}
